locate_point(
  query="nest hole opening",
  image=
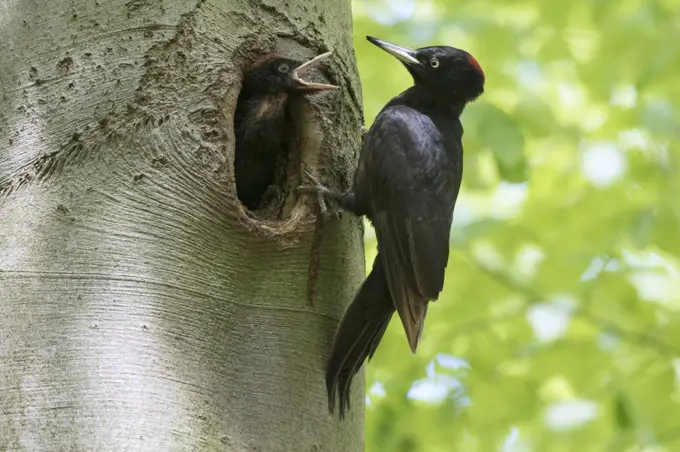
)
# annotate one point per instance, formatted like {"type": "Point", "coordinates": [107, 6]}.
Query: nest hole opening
{"type": "Point", "coordinates": [273, 135]}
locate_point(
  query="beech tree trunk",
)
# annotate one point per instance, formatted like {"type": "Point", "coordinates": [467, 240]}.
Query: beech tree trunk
{"type": "Point", "coordinates": [141, 307]}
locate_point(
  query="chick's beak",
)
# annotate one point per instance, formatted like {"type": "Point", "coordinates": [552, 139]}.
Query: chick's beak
{"type": "Point", "coordinates": [304, 69]}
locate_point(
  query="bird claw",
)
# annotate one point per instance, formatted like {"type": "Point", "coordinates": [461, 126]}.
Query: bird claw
{"type": "Point", "coordinates": [318, 186]}
{"type": "Point", "coordinates": [322, 193]}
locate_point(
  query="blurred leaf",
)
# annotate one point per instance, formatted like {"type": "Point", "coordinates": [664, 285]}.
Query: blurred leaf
{"type": "Point", "coordinates": [623, 417]}
{"type": "Point", "coordinates": [501, 134]}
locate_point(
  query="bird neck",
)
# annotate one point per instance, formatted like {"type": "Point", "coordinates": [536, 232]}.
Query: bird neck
{"type": "Point", "coordinates": [262, 107]}
{"type": "Point", "coordinates": [421, 99]}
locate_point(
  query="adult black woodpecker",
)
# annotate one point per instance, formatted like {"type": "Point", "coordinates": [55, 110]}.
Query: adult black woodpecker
{"type": "Point", "coordinates": [264, 126]}
{"type": "Point", "coordinates": [407, 181]}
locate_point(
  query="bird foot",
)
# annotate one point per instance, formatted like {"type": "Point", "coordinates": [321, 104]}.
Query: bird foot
{"type": "Point", "coordinates": [323, 196]}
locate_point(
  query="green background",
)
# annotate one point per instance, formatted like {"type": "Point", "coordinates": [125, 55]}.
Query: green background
{"type": "Point", "coordinates": [559, 326]}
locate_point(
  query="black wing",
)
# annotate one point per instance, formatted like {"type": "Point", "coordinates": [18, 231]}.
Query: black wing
{"type": "Point", "coordinates": [412, 187]}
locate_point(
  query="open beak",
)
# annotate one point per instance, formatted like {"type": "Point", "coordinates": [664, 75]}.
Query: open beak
{"type": "Point", "coordinates": [404, 54]}
{"type": "Point", "coordinates": [304, 69]}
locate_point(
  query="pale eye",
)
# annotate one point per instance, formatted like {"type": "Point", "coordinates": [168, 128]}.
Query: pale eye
{"type": "Point", "coordinates": [283, 68]}
{"type": "Point", "coordinates": [434, 63]}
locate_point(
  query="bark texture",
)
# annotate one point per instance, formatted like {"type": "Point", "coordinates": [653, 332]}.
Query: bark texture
{"type": "Point", "coordinates": [141, 308]}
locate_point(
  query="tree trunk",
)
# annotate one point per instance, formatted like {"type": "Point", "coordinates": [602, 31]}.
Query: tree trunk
{"type": "Point", "coordinates": [141, 307]}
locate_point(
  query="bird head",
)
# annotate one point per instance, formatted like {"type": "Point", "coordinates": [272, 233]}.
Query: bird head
{"type": "Point", "coordinates": [444, 72]}
{"type": "Point", "coordinates": [274, 74]}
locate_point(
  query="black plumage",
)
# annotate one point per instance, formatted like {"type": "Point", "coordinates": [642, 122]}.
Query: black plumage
{"type": "Point", "coordinates": [406, 183]}
{"type": "Point", "coordinates": [264, 125]}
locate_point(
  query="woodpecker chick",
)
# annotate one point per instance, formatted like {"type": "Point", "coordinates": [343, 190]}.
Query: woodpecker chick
{"type": "Point", "coordinates": [264, 125]}
{"type": "Point", "coordinates": [407, 181]}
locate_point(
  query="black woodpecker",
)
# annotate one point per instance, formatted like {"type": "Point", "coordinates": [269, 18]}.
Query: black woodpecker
{"type": "Point", "coordinates": [263, 124]}
{"type": "Point", "coordinates": [406, 183]}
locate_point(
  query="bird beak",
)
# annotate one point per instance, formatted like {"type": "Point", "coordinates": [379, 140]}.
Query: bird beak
{"type": "Point", "coordinates": [404, 54]}
{"type": "Point", "coordinates": [304, 69]}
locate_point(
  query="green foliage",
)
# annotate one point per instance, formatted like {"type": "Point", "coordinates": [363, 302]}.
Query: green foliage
{"type": "Point", "coordinates": [559, 326]}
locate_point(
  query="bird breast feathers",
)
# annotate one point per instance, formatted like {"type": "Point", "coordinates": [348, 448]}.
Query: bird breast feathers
{"type": "Point", "coordinates": [270, 106]}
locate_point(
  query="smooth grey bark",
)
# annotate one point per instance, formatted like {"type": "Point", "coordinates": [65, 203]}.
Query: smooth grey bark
{"type": "Point", "coordinates": [140, 307]}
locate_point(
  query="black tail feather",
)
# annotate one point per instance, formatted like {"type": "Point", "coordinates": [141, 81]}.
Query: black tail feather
{"type": "Point", "coordinates": [358, 335]}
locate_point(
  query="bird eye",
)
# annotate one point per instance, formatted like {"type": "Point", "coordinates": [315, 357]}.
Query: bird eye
{"type": "Point", "coordinates": [283, 68]}
{"type": "Point", "coordinates": [434, 63]}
